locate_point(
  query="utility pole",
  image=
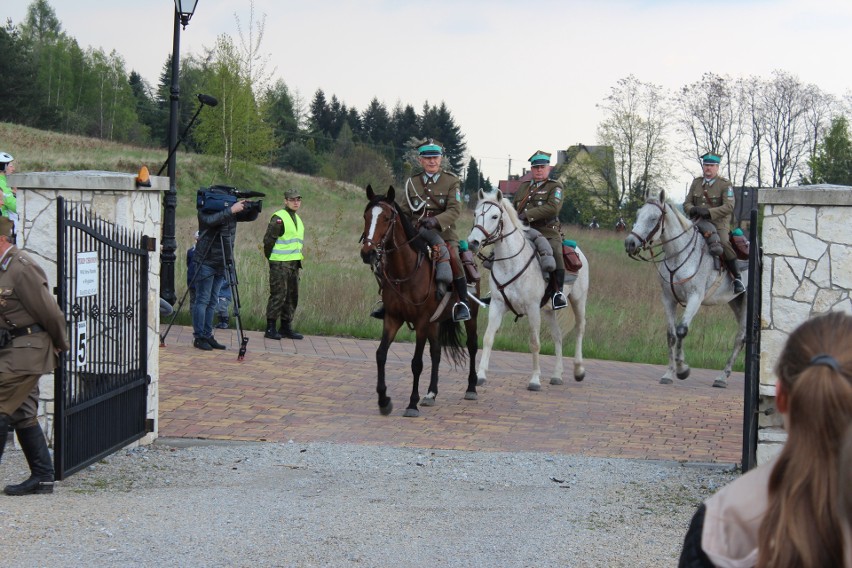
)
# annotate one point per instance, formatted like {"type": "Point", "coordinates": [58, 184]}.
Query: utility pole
{"type": "Point", "coordinates": [509, 175]}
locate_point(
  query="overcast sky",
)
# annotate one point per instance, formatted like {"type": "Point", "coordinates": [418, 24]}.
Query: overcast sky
{"type": "Point", "coordinates": [517, 76]}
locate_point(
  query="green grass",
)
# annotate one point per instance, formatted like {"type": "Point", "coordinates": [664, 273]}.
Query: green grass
{"type": "Point", "coordinates": [625, 319]}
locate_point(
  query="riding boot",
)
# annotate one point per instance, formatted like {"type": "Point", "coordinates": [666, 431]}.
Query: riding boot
{"type": "Point", "coordinates": [739, 288]}
{"type": "Point", "coordinates": [461, 312]}
{"type": "Point", "coordinates": [41, 465]}
{"type": "Point", "coordinates": [558, 300]}
{"type": "Point", "coordinates": [289, 332]}
{"type": "Point", "coordinates": [271, 332]}
{"type": "Point", "coordinates": [5, 419]}
{"type": "Point", "coordinates": [378, 311]}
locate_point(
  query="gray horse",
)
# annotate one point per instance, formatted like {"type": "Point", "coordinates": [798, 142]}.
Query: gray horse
{"type": "Point", "coordinates": [689, 276]}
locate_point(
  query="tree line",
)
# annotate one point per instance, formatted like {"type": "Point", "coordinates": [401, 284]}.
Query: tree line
{"type": "Point", "coordinates": [771, 132]}
{"type": "Point", "coordinates": [54, 84]}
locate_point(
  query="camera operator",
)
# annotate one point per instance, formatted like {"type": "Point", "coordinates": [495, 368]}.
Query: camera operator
{"type": "Point", "coordinates": [216, 238]}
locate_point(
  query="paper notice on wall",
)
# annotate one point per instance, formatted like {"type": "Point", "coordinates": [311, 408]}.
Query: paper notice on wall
{"type": "Point", "coordinates": [87, 274]}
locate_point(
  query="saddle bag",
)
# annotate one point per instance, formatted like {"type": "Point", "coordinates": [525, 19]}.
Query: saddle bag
{"type": "Point", "coordinates": [740, 244]}
{"type": "Point", "coordinates": [569, 254]}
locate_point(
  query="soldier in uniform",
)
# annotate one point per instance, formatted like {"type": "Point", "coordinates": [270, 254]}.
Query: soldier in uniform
{"type": "Point", "coordinates": [32, 334]}
{"type": "Point", "coordinates": [282, 244]}
{"type": "Point", "coordinates": [538, 203]}
{"type": "Point", "coordinates": [432, 200]}
{"type": "Point", "coordinates": [710, 203]}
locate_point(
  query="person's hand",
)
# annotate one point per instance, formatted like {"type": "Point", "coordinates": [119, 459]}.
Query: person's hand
{"type": "Point", "coordinates": [429, 223]}
{"type": "Point", "coordinates": [699, 213]}
{"type": "Point", "coordinates": [238, 206]}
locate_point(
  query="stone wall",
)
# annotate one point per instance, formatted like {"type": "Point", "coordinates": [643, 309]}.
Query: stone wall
{"type": "Point", "coordinates": [807, 270]}
{"type": "Point", "coordinates": [113, 197]}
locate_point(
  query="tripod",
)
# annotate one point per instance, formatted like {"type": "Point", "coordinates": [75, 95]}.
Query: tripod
{"type": "Point", "coordinates": [226, 246]}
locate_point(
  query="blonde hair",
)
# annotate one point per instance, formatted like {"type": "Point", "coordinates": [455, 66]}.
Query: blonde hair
{"type": "Point", "coordinates": [802, 522]}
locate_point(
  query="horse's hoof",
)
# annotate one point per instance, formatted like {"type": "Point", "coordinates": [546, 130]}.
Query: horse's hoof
{"type": "Point", "coordinates": [480, 381]}
{"type": "Point", "coordinates": [720, 384]}
{"type": "Point", "coordinates": [426, 401]}
{"type": "Point", "coordinates": [683, 374]}
{"type": "Point", "coordinates": [386, 409]}
{"type": "Point", "coordinates": [665, 381]}
{"type": "Point", "coordinates": [470, 396]}
{"type": "Point", "coordinates": [411, 413]}
{"type": "Point", "coordinates": [534, 387]}
{"type": "Point", "coordinates": [580, 376]}
{"type": "Point", "coordinates": [556, 381]}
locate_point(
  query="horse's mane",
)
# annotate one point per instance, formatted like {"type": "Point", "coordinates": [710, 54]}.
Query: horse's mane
{"type": "Point", "coordinates": [411, 234]}
{"type": "Point", "coordinates": [685, 223]}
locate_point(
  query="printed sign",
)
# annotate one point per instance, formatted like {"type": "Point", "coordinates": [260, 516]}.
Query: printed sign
{"type": "Point", "coordinates": [80, 344]}
{"type": "Point", "coordinates": [87, 274]}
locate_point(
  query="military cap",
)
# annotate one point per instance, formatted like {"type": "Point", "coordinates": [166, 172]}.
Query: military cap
{"type": "Point", "coordinates": [292, 194]}
{"type": "Point", "coordinates": [540, 158]}
{"type": "Point", "coordinates": [6, 227]}
{"type": "Point", "coordinates": [430, 149]}
{"type": "Point", "coordinates": [710, 158]}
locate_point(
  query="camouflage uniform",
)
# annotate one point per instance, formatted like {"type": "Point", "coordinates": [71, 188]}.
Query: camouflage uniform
{"type": "Point", "coordinates": [283, 275]}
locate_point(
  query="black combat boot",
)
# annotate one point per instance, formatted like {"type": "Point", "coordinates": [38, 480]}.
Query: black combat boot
{"type": "Point", "coordinates": [41, 465]}
{"type": "Point", "coordinates": [379, 311]}
{"type": "Point", "coordinates": [460, 310]}
{"type": "Point", "coordinates": [223, 323]}
{"type": "Point", "coordinates": [289, 332]}
{"type": "Point", "coordinates": [739, 288]}
{"type": "Point", "coordinates": [558, 301]}
{"type": "Point", "coordinates": [271, 332]}
{"type": "Point", "coordinates": [5, 419]}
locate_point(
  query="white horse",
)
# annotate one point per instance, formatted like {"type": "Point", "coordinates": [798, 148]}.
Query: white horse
{"type": "Point", "coordinates": [688, 277]}
{"type": "Point", "coordinates": [517, 285]}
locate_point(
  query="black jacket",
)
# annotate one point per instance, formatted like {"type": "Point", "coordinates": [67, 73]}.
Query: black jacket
{"type": "Point", "coordinates": [211, 226]}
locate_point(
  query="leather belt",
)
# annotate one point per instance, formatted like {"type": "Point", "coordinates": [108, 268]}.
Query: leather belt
{"type": "Point", "coordinates": [26, 330]}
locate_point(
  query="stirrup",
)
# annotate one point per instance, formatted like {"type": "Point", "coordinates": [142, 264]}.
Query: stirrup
{"type": "Point", "coordinates": [460, 312]}
{"type": "Point", "coordinates": [378, 312]}
{"type": "Point", "coordinates": [558, 301]}
{"type": "Point", "coordinates": [739, 287]}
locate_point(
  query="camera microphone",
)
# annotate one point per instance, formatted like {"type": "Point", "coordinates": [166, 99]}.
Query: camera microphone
{"type": "Point", "coordinates": [207, 100]}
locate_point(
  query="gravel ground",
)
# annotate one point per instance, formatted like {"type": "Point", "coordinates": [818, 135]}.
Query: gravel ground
{"type": "Point", "coordinates": [186, 503]}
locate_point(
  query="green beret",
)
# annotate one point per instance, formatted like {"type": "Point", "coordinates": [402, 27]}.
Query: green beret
{"type": "Point", "coordinates": [710, 158]}
{"type": "Point", "coordinates": [430, 149]}
{"type": "Point", "coordinates": [540, 158]}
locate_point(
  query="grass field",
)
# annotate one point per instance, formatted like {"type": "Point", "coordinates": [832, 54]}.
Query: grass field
{"type": "Point", "coordinates": [625, 319]}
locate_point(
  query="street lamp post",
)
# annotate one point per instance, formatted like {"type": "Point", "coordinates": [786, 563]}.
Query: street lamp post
{"type": "Point", "coordinates": [183, 12]}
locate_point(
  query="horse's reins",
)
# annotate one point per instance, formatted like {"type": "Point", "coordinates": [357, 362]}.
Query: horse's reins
{"type": "Point", "coordinates": [491, 239]}
{"type": "Point", "coordinates": [647, 243]}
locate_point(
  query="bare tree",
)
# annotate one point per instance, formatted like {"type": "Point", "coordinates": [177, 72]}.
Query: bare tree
{"type": "Point", "coordinates": [787, 137]}
{"type": "Point", "coordinates": [635, 127]}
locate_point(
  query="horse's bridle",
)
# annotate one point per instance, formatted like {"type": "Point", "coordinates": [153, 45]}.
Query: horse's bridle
{"type": "Point", "coordinates": [491, 238]}
{"type": "Point", "coordinates": [648, 243]}
{"type": "Point", "coordinates": [394, 217]}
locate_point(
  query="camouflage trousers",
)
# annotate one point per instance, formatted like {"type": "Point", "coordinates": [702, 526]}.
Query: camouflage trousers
{"type": "Point", "coordinates": [283, 290]}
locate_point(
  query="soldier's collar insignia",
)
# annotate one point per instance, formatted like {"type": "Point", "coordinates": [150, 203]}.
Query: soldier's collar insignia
{"type": "Point", "coordinates": [5, 264]}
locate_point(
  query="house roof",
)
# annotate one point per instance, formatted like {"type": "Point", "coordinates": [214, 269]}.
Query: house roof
{"type": "Point", "coordinates": [510, 186]}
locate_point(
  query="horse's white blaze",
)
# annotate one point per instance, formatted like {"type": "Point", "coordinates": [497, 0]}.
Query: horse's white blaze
{"type": "Point", "coordinates": [374, 219]}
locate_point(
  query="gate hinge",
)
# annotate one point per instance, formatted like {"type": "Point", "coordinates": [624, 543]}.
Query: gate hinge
{"type": "Point", "coordinates": [150, 243]}
{"type": "Point", "coordinates": [149, 425]}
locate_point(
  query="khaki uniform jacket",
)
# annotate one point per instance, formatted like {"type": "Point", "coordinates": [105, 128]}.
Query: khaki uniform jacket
{"type": "Point", "coordinates": [440, 199]}
{"type": "Point", "coordinates": [25, 299]}
{"type": "Point", "coordinates": [719, 200]}
{"type": "Point", "coordinates": [541, 205]}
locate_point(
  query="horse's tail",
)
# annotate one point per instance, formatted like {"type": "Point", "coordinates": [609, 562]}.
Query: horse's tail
{"type": "Point", "coordinates": [450, 338]}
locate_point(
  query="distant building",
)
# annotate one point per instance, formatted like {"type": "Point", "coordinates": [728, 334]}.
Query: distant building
{"type": "Point", "coordinates": [510, 186]}
{"type": "Point", "coordinates": [590, 167]}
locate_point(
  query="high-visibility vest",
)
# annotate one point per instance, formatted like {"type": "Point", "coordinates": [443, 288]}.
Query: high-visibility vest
{"type": "Point", "coordinates": [289, 245]}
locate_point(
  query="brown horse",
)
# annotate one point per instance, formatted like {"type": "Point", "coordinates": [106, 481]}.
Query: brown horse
{"type": "Point", "coordinates": [410, 295]}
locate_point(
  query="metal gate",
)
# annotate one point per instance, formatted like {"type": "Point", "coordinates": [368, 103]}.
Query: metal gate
{"type": "Point", "coordinates": [752, 346]}
{"type": "Point", "coordinates": [101, 388]}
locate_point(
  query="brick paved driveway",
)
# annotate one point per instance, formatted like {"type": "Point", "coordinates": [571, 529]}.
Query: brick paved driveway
{"type": "Point", "coordinates": [323, 389]}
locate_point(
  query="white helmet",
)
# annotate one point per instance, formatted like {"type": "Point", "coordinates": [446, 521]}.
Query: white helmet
{"type": "Point", "coordinates": [5, 157]}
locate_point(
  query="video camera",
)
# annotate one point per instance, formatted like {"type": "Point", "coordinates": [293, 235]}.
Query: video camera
{"type": "Point", "coordinates": [220, 197]}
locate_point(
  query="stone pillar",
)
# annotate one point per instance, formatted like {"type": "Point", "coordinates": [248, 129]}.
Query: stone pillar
{"type": "Point", "coordinates": [807, 270]}
{"type": "Point", "coordinates": [113, 197]}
